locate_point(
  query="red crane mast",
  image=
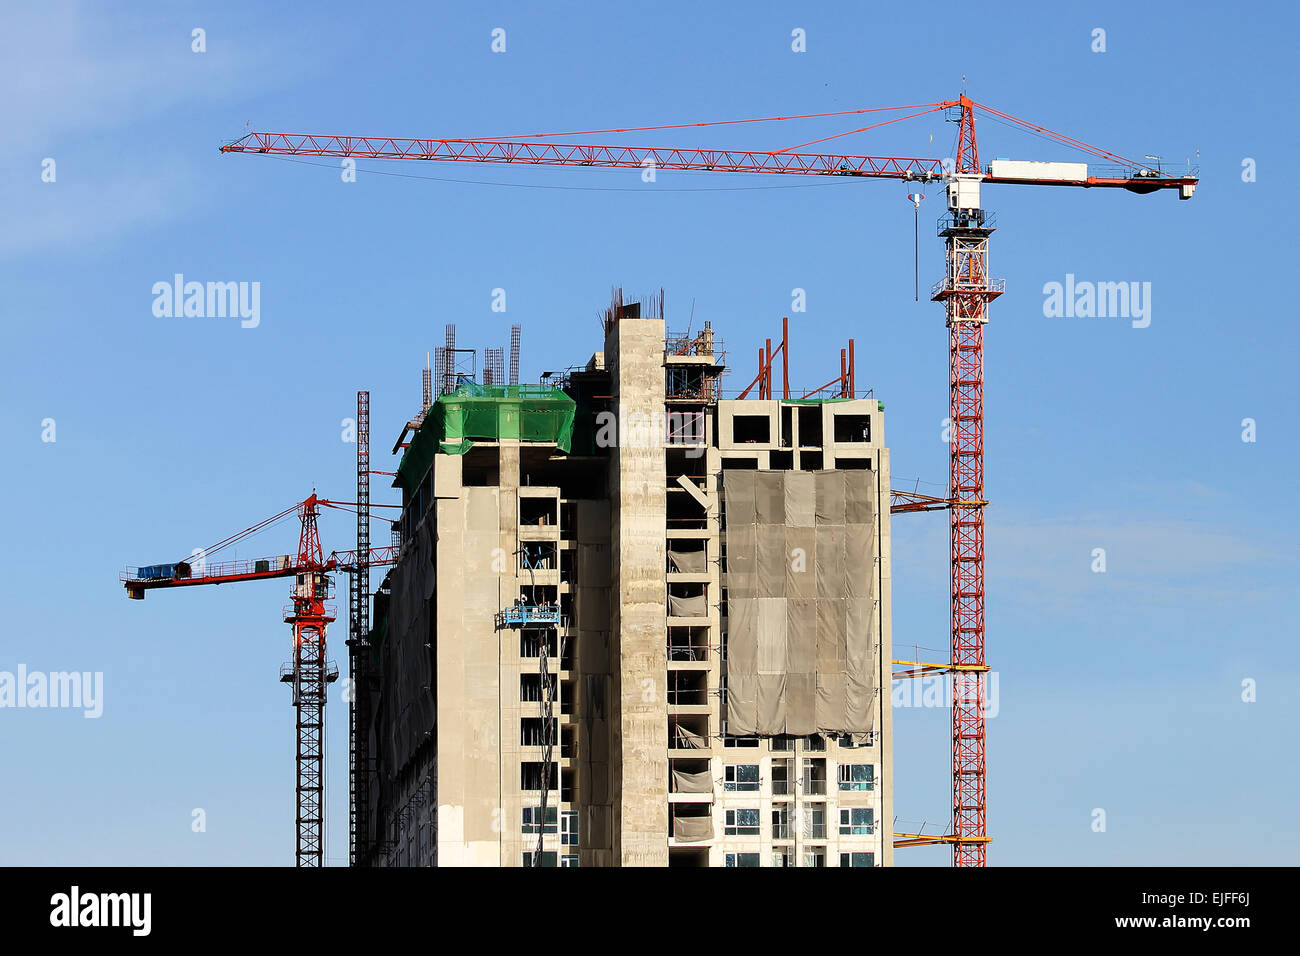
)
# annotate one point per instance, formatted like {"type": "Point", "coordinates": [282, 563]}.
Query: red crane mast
{"type": "Point", "coordinates": [309, 672]}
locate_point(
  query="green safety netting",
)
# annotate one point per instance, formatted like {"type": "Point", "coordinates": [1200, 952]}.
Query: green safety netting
{"type": "Point", "coordinates": [488, 413]}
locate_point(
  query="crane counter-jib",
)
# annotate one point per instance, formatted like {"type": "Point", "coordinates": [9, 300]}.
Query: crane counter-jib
{"type": "Point", "coordinates": [188, 573]}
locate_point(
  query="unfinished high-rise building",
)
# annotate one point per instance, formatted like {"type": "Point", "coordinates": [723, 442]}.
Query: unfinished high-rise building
{"type": "Point", "coordinates": [635, 623]}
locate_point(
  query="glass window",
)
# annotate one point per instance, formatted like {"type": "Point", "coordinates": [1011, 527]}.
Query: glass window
{"type": "Point", "coordinates": [857, 821]}
{"type": "Point", "coordinates": [741, 823]}
{"type": "Point", "coordinates": [569, 859]}
{"type": "Point", "coordinates": [548, 859]}
{"type": "Point", "coordinates": [533, 819]}
{"type": "Point", "coordinates": [857, 859]}
{"type": "Point", "coordinates": [740, 776]}
{"type": "Point", "coordinates": [857, 776]}
{"type": "Point", "coordinates": [814, 856]}
{"type": "Point", "coordinates": [742, 859]}
{"type": "Point", "coordinates": [782, 858]}
{"type": "Point", "coordinates": [848, 742]}
{"type": "Point", "coordinates": [568, 828]}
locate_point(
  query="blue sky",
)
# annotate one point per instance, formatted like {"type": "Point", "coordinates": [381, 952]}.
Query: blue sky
{"type": "Point", "coordinates": [1118, 690]}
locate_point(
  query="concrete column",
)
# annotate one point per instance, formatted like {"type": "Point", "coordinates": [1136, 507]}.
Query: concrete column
{"type": "Point", "coordinates": [885, 656]}
{"type": "Point", "coordinates": [634, 352]}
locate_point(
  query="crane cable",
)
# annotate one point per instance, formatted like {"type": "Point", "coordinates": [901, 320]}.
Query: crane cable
{"type": "Point", "coordinates": [863, 129]}
{"type": "Point", "coordinates": [643, 129]}
{"type": "Point", "coordinates": [239, 536]}
{"type": "Point", "coordinates": [1061, 137]}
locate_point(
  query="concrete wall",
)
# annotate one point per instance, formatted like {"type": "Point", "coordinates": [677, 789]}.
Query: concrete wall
{"type": "Point", "coordinates": [885, 656]}
{"type": "Point", "coordinates": [634, 354]}
{"type": "Point", "coordinates": [471, 774]}
{"type": "Point", "coordinates": [594, 788]}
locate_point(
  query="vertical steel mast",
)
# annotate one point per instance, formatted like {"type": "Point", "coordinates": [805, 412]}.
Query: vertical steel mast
{"type": "Point", "coordinates": [309, 674]}
{"type": "Point", "coordinates": [966, 291]}
{"type": "Point", "coordinates": [548, 742]}
{"type": "Point", "coordinates": [359, 646]}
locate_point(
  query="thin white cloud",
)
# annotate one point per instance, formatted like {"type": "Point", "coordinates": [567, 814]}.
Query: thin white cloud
{"type": "Point", "coordinates": [1147, 557]}
{"type": "Point", "coordinates": [1145, 547]}
{"type": "Point", "coordinates": [80, 213]}
{"type": "Point", "coordinates": [85, 83]}
{"type": "Point", "coordinates": [1150, 556]}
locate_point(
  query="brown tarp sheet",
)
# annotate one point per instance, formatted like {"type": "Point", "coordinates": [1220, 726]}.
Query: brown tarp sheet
{"type": "Point", "coordinates": [687, 740]}
{"type": "Point", "coordinates": [701, 782]}
{"type": "Point", "coordinates": [801, 602]}
{"type": "Point", "coordinates": [690, 562]}
{"type": "Point", "coordinates": [697, 606]}
{"type": "Point", "coordinates": [692, 829]}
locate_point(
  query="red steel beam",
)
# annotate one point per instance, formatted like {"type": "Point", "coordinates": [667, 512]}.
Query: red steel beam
{"type": "Point", "coordinates": [785, 357]}
{"type": "Point", "coordinates": [767, 366]}
{"type": "Point", "coordinates": [853, 374]}
{"type": "Point", "coordinates": [568, 154]}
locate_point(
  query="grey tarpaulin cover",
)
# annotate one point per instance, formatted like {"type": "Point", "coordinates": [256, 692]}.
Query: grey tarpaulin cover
{"type": "Point", "coordinates": [692, 782]}
{"type": "Point", "coordinates": [688, 740]}
{"type": "Point", "coordinates": [697, 606]}
{"type": "Point", "coordinates": [801, 627]}
{"type": "Point", "coordinates": [407, 663]}
{"type": "Point", "coordinates": [691, 562]}
{"type": "Point", "coordinates": [692, 829]}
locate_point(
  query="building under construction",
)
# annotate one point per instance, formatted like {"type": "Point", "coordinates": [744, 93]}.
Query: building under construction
{"type": "Point", "coordinates": [632, 622]}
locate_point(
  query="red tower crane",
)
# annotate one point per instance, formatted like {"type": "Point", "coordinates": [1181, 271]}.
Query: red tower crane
{"type": "Point", "coordinates": [966, 290]}
{"type": "Point", "coordinates": [310, 671]}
